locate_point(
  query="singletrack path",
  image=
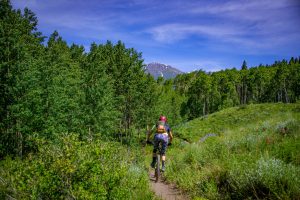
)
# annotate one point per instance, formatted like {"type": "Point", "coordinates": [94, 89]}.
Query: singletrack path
{"type": "Point", "coordinates": [165, 191]}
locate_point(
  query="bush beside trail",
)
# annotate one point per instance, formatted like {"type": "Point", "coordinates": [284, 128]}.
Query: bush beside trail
{"type": "Point", "coordinates": [72, 169]}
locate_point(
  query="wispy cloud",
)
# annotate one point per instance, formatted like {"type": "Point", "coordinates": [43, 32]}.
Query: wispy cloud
{"type": "Point", "coordinates": [174, 32]}
{"type": "Point", "coordinates": [251, 26]}
{"type": "Point", "coordinates": [244, 8]}
{"type": "Point", "coordinates": [189, 33]}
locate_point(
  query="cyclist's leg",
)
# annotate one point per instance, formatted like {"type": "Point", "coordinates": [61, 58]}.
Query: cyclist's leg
{"type": "Point", "coordinates": [163, 151]}
{"type": "Point", "coordinates": [155, 148]}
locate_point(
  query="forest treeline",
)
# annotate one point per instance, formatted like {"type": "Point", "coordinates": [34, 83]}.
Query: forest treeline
{"type": "Point", "coordinates": [48, 87]}
{"type": "Point", "coordinates": [209, 92]}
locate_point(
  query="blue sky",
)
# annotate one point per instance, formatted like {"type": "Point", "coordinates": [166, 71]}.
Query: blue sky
{"type": "Point", "coordinates": [187, 34]}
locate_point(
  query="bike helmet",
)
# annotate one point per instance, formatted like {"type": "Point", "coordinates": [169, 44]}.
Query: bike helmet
{"type": "Point", "coordinates": [163, 118]}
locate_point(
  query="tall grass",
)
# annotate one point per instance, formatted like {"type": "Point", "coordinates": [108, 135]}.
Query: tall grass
{"type": "Point", "coordinates": [255, 155]}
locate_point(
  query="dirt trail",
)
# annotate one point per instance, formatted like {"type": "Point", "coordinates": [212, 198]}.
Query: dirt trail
{"type": "Point", "coordinates": [165, 191]}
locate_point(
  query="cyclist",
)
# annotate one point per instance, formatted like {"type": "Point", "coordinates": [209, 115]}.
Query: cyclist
{"type": "Point", "coordinates": [162, 134]}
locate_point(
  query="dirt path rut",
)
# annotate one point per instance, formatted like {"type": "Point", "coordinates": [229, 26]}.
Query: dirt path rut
{"type": "Point", "coordinates": [165, 191]}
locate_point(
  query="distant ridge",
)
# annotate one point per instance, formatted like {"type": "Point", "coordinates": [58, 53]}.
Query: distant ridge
{"type": "Point", "coordinates": [162, 70]}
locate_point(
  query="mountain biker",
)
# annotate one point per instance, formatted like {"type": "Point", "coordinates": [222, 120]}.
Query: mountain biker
{"type": "Point", "coordinates": [162, 134]}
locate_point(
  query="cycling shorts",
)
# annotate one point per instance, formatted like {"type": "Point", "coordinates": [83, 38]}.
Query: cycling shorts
{"type": "Point", "coordinates": [162, 138]}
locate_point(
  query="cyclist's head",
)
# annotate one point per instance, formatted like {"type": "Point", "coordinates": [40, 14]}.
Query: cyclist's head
{"type": "Point", "coordinates": [163, 118]}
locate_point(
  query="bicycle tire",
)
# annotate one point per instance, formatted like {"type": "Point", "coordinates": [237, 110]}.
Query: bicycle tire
{"type": "Point", "coordinates": [157, 168]}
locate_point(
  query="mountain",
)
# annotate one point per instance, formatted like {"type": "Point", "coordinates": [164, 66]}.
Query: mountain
{"type": "Point", "coordinates": [162, 70]}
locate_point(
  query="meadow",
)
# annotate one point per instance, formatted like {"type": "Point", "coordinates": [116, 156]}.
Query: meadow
{"type": "Point", "coordinates": [245, 152]}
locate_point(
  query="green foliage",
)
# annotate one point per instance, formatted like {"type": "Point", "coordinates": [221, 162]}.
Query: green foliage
{"type": "Point", "coordinates": [199, 96]}
{"type": "Point", "coordinates": [99, 110]}
{"type": "Point", "coordinates": [60, 83]}
{"type": "Point", "coordinates": [56, 88]}
{"type": "Point", "coordinates": [117, 72]}
{"type": "Point", "coordinates": [19, 44]}
{"type": "Point", "coordinates": [168, 103]}
{"type": "Point", "coordinates": [125, 67]}
{"type": "Point", "coordinates": [70, 168]}
{"type": "Point", "coordinates": [210, 92]}
{"type": "Point", "coordinates": [254, 155]}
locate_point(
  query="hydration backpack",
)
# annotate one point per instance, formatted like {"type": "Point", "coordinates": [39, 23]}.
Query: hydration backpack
{"type": "Point", "coordinates": [160, 127]}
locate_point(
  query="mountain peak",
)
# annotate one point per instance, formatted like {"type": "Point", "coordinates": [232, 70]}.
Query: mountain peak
{"type": "Point", "coordinates": [162, 70]}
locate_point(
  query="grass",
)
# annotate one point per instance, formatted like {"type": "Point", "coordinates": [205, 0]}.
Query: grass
{"type": "Point", "coordinates": [255, 155]}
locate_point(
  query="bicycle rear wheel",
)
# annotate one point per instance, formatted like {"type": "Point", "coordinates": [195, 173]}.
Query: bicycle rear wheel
{"type": "Point", "coordinates": [157, 168]}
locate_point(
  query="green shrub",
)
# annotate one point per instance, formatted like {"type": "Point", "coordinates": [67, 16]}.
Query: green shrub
{"type": "Point", "coordinates": [74, 169]}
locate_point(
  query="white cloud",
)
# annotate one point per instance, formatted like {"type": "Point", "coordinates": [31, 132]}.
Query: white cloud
{"type": "Point", "coordinates": [251, 26]}
{"type": "Point", "coordinates": [175, 32]}
{"type": "Point", "coordinates": [241, 7]}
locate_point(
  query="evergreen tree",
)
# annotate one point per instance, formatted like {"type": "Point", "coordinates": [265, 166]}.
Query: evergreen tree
{"type": "Point", "coordinates": [244, 65]}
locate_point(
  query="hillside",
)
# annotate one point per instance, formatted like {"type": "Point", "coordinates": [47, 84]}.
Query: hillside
{"type": "Point", "coordinates": [162, 70]}
{"type": "Point", "coordinates": [239, 153]}
{"type": "Point", "coordinates": [231, 118]}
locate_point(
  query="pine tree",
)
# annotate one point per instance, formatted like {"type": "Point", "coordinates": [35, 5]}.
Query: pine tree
{"type": "Point", "coordinates": [244, 65]}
